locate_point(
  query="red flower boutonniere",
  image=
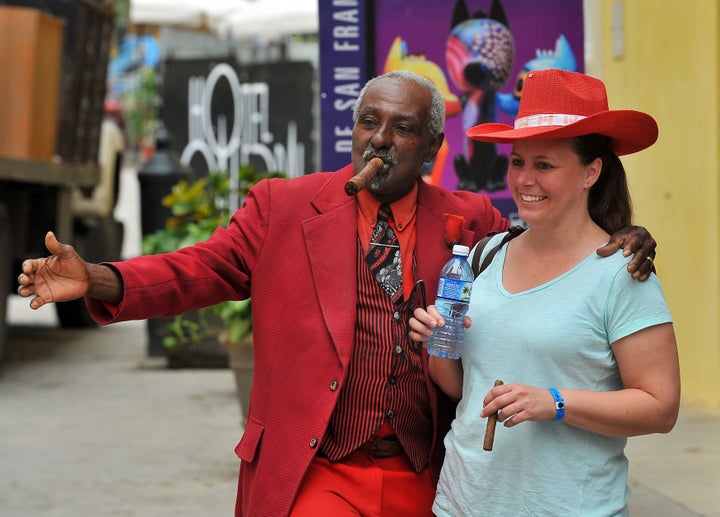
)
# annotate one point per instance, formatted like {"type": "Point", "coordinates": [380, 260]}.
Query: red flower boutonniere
{"type": "Point", "coordinates": [453, 228]}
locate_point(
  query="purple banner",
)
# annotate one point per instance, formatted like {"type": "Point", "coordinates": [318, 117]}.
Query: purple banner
{"type": "Point", "coordinates": [343, 72]}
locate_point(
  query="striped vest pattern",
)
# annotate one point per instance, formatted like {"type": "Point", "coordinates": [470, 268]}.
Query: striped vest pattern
{"type": "Point", "coordinates": [385, 381]}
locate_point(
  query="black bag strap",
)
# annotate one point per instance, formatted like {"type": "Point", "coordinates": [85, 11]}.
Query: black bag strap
{"type": "Point", "coordinates": [477, 268]}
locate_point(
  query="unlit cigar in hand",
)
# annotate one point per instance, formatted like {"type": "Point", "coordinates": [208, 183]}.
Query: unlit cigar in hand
{"type": "Point", "coordinates": [364, 177]}
{"type": "Point", "coordinates": [490, 429]}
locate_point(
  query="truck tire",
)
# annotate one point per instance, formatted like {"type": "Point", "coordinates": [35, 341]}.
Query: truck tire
{"type": "Point", "coordinates": [6, 271]}
{"type": "Point", "coordinates": [74, 314]}
{"type": "Point", "coordinates": [97, 239]}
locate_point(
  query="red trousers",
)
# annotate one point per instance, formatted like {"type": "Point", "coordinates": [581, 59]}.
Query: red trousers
{"type": "Point", "coordinates": [360, 485]}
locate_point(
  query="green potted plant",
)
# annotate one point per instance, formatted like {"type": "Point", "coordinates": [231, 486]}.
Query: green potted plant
{"type": "Point", "coordinates": [197, 209]}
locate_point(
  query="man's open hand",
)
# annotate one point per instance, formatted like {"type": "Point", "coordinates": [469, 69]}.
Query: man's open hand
{"type": "Point", "coordinates": [60, 277]}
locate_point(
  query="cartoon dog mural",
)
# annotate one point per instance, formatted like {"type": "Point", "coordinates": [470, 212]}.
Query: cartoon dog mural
{"type": "Point", "coordinates": [479, 56]}
{"type": "Point", "coordinates": [399, 58]}
{"type": "Point", "coordinates": [561, 57]}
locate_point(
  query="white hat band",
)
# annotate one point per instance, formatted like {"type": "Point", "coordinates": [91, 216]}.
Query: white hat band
{"type": "Point", "coordinates": [553, 119]}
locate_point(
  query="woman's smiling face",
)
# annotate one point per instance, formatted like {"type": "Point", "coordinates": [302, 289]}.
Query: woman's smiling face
{"type": "Point", "coordinates": [547, 181]}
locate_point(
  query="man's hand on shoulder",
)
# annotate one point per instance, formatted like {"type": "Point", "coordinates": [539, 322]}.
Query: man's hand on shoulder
{"type": "Point", "coordinates": [633, 240]}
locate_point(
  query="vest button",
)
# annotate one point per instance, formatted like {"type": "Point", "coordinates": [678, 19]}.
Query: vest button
{"type": "Point", "coordinates": [398, 349]}
{"type": "Point", "coordinates": [396, 316]}
{"type": "Point", "coordinates": [313, 443]}
{"type": "Point", "coordinates": [333, 385]}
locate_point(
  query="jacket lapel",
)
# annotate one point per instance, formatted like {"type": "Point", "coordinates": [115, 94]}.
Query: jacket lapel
{"type": "Point", "coordinates": [331, 242]}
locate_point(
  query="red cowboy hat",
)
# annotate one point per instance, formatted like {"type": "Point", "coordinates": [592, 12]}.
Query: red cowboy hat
{"type": "Point", "coordinates": [560, 104]}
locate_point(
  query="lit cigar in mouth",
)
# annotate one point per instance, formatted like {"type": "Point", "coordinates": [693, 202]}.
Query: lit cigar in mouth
{"type": "Point", "coordinates": [363, 178]}
{"type": "Point", "coordinates": [490, 429]}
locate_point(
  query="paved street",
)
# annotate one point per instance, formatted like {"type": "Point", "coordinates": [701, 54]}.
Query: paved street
{"type": "Point", "coordinates": [90, 427]}
{"type": "Point", "coordinates": [87, 428]}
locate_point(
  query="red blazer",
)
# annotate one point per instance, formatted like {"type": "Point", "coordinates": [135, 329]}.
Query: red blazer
{"type": "Point", "coordinates": [293, 249]}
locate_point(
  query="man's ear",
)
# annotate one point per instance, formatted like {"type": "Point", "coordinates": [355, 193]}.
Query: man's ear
{"type": "Point", "coordinates": [434, 147]}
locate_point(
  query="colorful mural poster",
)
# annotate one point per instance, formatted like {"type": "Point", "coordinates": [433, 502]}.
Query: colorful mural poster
{"type": "Point", "coordinates": [477, 52]}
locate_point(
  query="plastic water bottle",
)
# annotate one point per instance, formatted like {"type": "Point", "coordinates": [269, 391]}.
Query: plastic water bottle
{"type": "Point", "coordinates": [453, 298]}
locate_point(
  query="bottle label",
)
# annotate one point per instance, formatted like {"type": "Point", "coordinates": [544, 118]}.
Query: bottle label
{"type": "Point", "coordinates": [453, 289]}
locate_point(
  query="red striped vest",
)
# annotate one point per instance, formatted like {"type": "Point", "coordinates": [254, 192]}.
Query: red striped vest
{"type": "Point", "coordinates": [385, 380]}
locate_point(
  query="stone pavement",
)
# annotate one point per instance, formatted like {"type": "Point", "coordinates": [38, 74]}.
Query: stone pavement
{"type": "Point", "coordinates": [677, 474]}
{"type": "Point", "coordinates": [89, 426]}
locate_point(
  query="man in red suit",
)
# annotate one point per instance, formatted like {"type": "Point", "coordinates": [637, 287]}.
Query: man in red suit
{"type": "Point", "coordinates": [343, 418]}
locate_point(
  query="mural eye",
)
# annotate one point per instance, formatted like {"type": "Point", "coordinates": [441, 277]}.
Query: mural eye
{"type": "Point", "coordinates": [476, 75]}
{"type": "Point", "coordinates": [519, 83]}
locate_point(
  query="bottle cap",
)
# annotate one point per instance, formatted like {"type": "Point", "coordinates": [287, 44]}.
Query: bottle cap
{"type": "Point", "coordinates": [459, 249]}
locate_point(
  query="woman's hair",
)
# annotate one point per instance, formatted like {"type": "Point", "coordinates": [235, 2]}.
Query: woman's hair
{"type": "Point", "coordinates": [609, 201]}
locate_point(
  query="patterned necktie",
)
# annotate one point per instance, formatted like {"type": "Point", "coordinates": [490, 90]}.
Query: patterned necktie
{"type": "Point", "coordinates": [383, 256]}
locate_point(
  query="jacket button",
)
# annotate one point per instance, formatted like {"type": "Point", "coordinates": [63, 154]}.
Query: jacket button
{"type": "Point", "coordinates": [333, 385]}
{"type": "Point", "coordinates": [313, 443]}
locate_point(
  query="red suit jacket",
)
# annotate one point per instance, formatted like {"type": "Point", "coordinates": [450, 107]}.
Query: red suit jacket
{"type": "Point", "coordinates": [293, 249]}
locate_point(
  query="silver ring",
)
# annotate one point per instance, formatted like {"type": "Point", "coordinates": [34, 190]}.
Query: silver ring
{"type": "Point", "coordinates": [651, 260]}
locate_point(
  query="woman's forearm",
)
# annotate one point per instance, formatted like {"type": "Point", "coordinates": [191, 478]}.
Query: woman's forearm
{"type": "Point", "coordinates": [448, 375]}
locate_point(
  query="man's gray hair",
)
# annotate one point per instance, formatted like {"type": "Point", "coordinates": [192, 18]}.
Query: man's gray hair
{"type": "Point", "coordinates": [437, 103]}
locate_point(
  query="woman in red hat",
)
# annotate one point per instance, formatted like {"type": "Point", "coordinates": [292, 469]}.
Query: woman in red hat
{"type": "Point", "coordinates": [587, 355]}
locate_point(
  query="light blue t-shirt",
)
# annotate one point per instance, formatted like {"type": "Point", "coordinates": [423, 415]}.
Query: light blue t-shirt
{"type": "Point", "coordinates": [555, 335]}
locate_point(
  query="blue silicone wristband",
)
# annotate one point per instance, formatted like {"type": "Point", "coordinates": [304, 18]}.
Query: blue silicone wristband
{"type": "Point", "coordinates": [559, 404]}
